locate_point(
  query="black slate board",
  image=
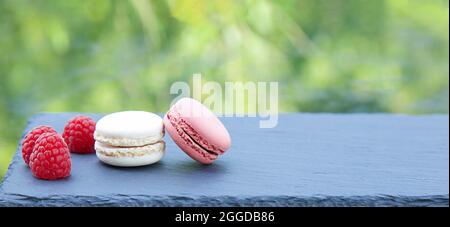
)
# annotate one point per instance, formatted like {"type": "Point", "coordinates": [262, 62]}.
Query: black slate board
{"type": "Point", "coordinates": [307, 160]}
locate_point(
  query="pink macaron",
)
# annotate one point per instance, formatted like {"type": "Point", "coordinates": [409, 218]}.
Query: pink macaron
{"type": "Point", "coordinates": [196, 130]}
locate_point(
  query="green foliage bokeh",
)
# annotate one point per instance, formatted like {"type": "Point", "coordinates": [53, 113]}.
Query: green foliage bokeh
{"type": "Point", "coordinates": [327, 55]}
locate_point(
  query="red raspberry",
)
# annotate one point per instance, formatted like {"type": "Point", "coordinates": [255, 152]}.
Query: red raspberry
{"type": "Point", "coordinates": [30, 139]}
{"type": "Point", "coordinates": [50, 159]}
{"type": "Point", "coordinates": [79, 134]}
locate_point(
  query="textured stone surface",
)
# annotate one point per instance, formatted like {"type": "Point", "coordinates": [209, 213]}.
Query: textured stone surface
{"type": "Point", "coordinates": [308, 160]}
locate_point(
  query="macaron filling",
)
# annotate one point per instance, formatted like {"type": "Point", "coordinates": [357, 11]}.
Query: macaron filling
{"type": "Point", "coordinates": [120, 151]}
{"type": "Point", "coordinates": [177, 122]}
{"type": "Point", "coordinates": [135, 142]}
{"type": "Point", "coordinates": [198, 144]}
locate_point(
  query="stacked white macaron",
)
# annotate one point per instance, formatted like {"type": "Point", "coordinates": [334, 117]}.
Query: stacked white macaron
{"type": "Point", "coordinates": [130, 138]}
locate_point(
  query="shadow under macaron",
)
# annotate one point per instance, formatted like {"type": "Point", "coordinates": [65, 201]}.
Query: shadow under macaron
{"type": "Point", "coordinates": [155, 166]}
{"type": "Point", "coordinates": [191, 166]}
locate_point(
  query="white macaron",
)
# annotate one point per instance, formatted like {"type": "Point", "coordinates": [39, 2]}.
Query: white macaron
{"type": "Point", "coordinates": [130, 138]}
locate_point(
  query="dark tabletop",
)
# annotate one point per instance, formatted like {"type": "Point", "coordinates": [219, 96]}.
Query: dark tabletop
{"type": "Point", "coordinates": [307, 160]}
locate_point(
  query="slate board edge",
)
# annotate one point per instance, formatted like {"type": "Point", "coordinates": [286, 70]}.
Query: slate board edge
{"type": "Point", "coordinates": [16, 157]}
{"type": "Point", "coordinates": [225, 201]}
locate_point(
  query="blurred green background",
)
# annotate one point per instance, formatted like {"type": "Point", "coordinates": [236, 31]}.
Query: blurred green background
{"type": "Point", "coordinates": [328, 55]}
